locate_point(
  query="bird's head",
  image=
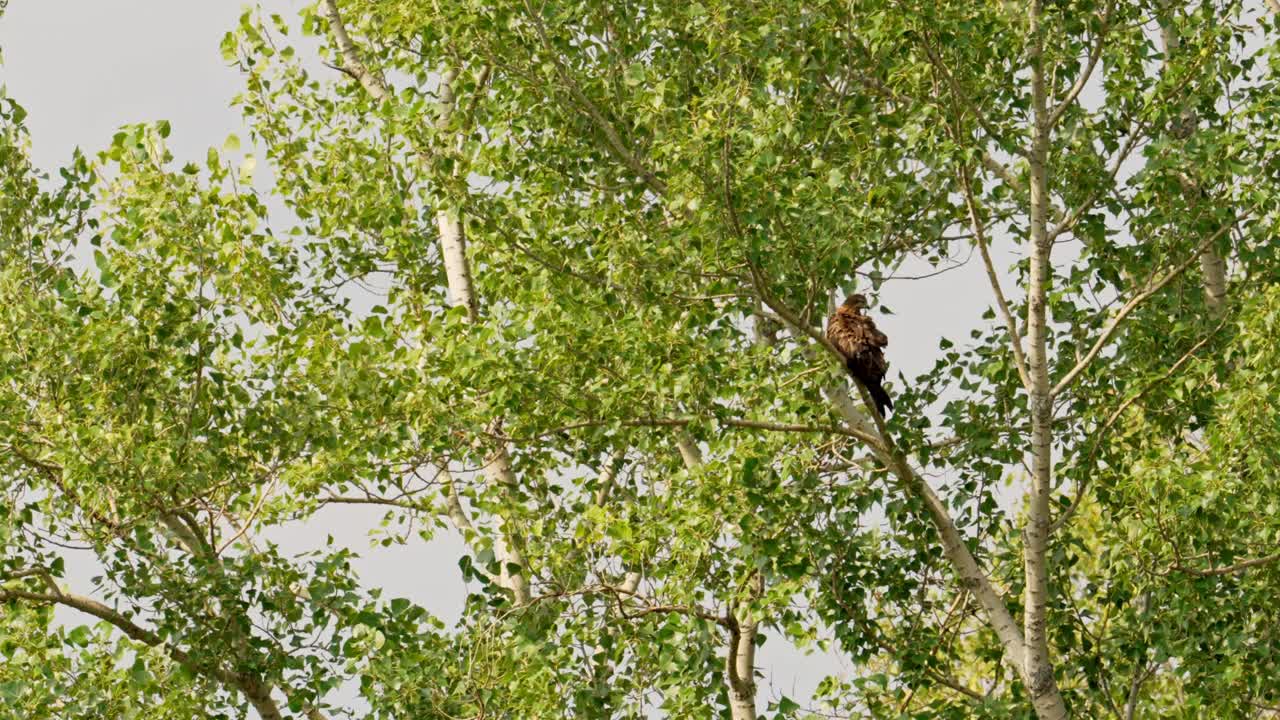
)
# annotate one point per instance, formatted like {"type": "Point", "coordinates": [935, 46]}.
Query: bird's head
{"type": "Point", "coordinates": [857, 301]}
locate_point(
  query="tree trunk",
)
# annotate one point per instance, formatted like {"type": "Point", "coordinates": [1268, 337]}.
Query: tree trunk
{"type": "Point", "coordinates": [740, 659]}
{"type": "Point", "coordinates": [1213, 267]}
{"type": "Point", "coordinates": [505, 546]}
{"type": "Point", "coordinates": [1037, 666]}
{"type": "Point", "coordinates": [1213, 273]}
{"type": "Point", "coordinates": [457, 269]}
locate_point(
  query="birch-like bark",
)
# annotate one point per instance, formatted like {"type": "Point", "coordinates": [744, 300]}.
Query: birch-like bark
{"type": "Point", "coordinates": [965, 565]}
{"type": "Point", "coordinates": [506, 546]}
{"type": "Point", "coordinates": [1213, 267]}
{"type": "Point", "coordinates": [453, 252]}
{"type": "Point", "coordinates": [863, 426]}
{"type": "Point", "coordinates": [740, 659]}
{"type": "Point", "coordinates": [453, 241]}
{"type": "Point", "coordinates": [690, 453]}
{"type": "Point", "coordinates": [1037, 666]}
{"type": "Point", "coordinates": [453, 244]}
{"type": "Point", "coordinates": [457, 269]}
{"type": "Point", "coordinates": [608, 477]}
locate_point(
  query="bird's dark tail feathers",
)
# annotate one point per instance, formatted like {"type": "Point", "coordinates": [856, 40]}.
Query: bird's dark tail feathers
{"type": "Point", "coordinates": [879, 396]}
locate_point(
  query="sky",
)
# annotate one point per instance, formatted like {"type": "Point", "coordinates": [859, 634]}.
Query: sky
{"type": "Point", "coordinates": [83, 68]}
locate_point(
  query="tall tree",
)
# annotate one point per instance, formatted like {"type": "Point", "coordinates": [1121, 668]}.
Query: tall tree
{"type": "Point", "coordinates": [556, 284]}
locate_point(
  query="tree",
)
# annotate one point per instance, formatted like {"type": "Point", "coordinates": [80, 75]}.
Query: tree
{"type": "Point", "coordinates": [556, 282]}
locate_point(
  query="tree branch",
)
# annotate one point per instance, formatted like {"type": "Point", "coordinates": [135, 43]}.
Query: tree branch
{"type": "Point", "coordinates": [1152, 288]}
{"type": "Point", "coordinates": [351, 62]}
{"type": "Point", "coordinates": [1094, 54]}
{"type": "Point", "coordinates": [963, 563]}
{"type": "Point", "coordinates": [1099, 435]}
{"type": "Point", "coordinates": [680, 422]}
{"type": "Point", "coordinates": [614, 141]}
{"type": "Point", "coordinates": [1232, 569]}
{"type": "Point", "coordinates": [390, 502]}
{"type": "Point", "coordinates": [453, 504]}
{"type": "Point", "coordinates": [257, 692]}
{"type": "Point", "coordinates": [964, 99]}
{"type": "Point", "coordinates": [1015, 337]}
{"type": "Point", "coordinates": [648, 606]}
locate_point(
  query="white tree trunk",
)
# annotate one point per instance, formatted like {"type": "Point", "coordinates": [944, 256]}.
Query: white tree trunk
{"type": "Point", "coordinates": [1213, 274]}
{"type": "Point", "coordinates": [457, 269]}
{"type": "Point", "coordinates": [506, 546]}
{"type": "Point", "coordinates": [453, 240]}
{"type": "Point", "coordinates": [1213, 267]}
{"type": "Point", "coordinates": [740, 659]}
{"type": "Point", "coordinates": [1037, 666]}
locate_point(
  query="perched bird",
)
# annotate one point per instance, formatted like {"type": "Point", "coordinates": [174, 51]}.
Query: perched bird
{"type": "Point", "coordinates": [862, 345]}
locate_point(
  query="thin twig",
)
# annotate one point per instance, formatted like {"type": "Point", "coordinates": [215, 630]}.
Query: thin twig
{"type": "Point", "coordinates": [1011, 322]}
{"type": "Point", "coordinates": [1152, 288]}
{"type": "Point", "coordinates": [1115, 415]}
{"type": "Point", "coordinates": [1225, 569]}
{"type": "Point", "coordinates": [1094, 54]}
{"type": "Point", "coordinates": [615, 141]}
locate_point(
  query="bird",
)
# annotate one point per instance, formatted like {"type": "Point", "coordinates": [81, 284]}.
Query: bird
{"type": "Point", "coordinates": [862, 345]}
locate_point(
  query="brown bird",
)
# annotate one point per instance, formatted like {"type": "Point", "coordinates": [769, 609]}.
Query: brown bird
{"type": "Point", "coordinates": [862, 345]}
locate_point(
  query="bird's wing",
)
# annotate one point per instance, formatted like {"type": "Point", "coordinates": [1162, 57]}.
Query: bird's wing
{"type": "Point", "coordinates": [874, 336]}
{"type": "Point", "coordinates": [853, 334]}
{"type": "Point", "coordinates": [843, 334]}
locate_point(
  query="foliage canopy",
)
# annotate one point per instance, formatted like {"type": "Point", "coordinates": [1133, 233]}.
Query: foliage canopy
{"type": "Point", "coordinates": [552, 278]}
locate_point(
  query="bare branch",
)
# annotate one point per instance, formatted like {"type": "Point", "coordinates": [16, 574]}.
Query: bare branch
{"type": "Point", "coordinates": [248, 521]}
{"type": "Point", "coordinates": [645, 605]}
{"type": "Point", "coordinates": [998, 169]}
{"type": "Point", "coordinates": [680, 422]}
{"type": "Point", "coordinates": [790, 318]}
{"type": "Point", "coordinates": [452, 235]}
{"type": "Point", "coordinates": [390, 502]}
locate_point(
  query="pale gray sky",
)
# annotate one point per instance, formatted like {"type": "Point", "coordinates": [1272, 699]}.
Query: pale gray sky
{"type": "Point", "coordinates": [82, 68]}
